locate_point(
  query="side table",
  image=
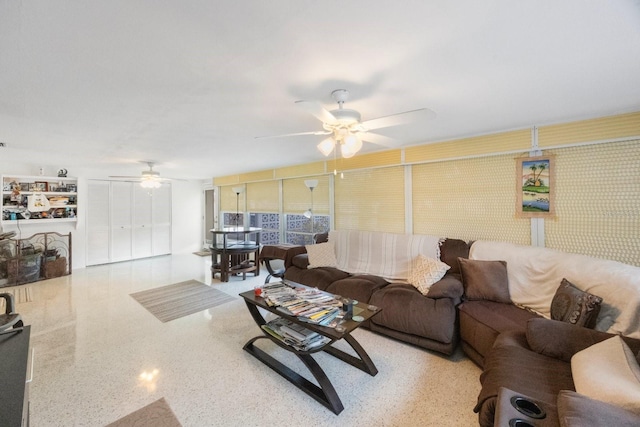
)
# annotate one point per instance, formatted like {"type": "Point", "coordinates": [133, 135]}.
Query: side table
{"type": "Point", "coordinates": [234, 256]}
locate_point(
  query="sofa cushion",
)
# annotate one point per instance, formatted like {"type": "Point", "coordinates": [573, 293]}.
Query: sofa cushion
{"type": "Point", "coordinates": [450, 286]}
{"type": "Point", "coordinates": [405, 309]}
{"type": "Point", "coordinates": [608, 371]}
{"type": "Point", "coordinates": [572, 305]}
{"type": "Point", "coordinates": [425, 272]}
{"type": "Point", "coordinates": [485, 280]}
{"type": "Point", "coordinates": [321, 255]}
{"type": "Point", "coordinates": [300, 261]}
{"type": "Point", "coordinates": [359, 287]}
{"type": "Point", "coordinates": [577, 410]}
{"type": "Point", "coordinates": [319, 278]}
{"type": "Point", "coordinates": [482, 321]}
{"type": "Point", "coordinates": [562, 340]}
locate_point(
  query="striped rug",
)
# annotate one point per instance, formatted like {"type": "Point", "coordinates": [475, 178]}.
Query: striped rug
{"type": "Point", "coordinates": [180, 299]}
{"type": "Point", "coordinates": [156, 414]}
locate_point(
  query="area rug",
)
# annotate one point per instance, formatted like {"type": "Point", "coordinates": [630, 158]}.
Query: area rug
{"type": "Point", "coordinates": [156, 414]}
{"type": "Point", "coordinates": [180, 299]}
{"type": "Point", "coordinates": [204, 252]}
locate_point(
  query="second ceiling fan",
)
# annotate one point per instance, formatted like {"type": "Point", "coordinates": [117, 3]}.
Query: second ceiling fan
{"type": "Point", "coordinates": [345, 128]}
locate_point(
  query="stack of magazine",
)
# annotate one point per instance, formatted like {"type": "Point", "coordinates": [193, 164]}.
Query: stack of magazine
{"type": "Point", "coordinates": [307, 304]}
{"type": "Point", "coordinates": [297, 336]}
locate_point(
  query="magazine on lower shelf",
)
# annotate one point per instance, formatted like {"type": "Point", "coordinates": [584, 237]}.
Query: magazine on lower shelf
{"type": "Point", "coordinates": [297, 336]}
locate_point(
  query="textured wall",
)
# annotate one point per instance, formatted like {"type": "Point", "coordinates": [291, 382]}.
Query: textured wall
{"type": "Point", "coordinates": [370, 200]}
{"type": "Point", "coordinates": [470, 199]}
{"type": "Point", "coordinates": [598, 201]}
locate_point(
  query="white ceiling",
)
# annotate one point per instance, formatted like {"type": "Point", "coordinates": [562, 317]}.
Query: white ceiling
{"type": "Point", "coordinates": [189, 84]}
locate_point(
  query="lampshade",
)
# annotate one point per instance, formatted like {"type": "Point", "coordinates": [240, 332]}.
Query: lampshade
{"type": "Point", "coordinates": [238, 190]}
{"type": "Point", "coordinates": [346, 151]}
{"type": "Point", "coordinates": [150, 183]}
{"type": "Point", "coordinates": [326, 146]}
{"type": "Point", "coordinates": [352, 141]}
{"type": "Point", "coordinates": [307, 213]}
{"type": "Point", "coordinates": [311, 183]}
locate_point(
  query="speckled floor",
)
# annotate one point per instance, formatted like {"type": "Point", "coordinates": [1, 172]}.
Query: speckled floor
{"type": "Point", "coordinates": [99, 355]}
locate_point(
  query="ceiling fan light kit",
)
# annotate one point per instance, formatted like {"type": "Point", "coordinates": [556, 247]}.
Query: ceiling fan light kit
{"type": "Point", "coordinates": [149, 179]}
{"type": "Point", "coordinates": [346, 128]}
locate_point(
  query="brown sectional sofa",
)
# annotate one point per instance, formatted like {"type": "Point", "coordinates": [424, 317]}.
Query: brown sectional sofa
{"type": "Point", "coordinates": [536, 362]}
{"type": "Point", "coordinates": [526, 354]}
{"type": "Point", "coordinates": [481, 322]}
{"type": "Point", "coordinates": [429, 321]}
{"type": "Point", "coordinates": [520, 352]}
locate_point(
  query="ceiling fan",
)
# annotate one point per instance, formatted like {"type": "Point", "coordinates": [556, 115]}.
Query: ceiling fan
{"type": "Point", "coordinates": [148, 178]}
{"type": "Point", "coordinates": [346, 128]}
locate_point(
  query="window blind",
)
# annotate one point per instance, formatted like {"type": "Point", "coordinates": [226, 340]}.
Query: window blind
{"type": "Point", "coordinates": [371, 200]}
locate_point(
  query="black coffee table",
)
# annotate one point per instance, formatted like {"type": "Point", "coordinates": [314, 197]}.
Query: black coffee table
{"type": "Point", "coordinates": [325, 393]}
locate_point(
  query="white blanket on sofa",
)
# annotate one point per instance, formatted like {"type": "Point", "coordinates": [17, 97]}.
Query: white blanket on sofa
{"type": "Point", "coordinates": [386, 255]}
{"type": "Point", "coordinates": [535, 274]}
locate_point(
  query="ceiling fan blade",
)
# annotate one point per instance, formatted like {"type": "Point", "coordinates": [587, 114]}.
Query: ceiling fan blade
{"type": "Point", "coordinates": [317, 110]}
{"type": "Point", "coordinates": [399, 119]}
{"type": "Point", "coordinates": [378, 139]}
{"type": "Point", "coordinates": [124, 177]}
{"type": "Point", "coordinates": [322, 132]}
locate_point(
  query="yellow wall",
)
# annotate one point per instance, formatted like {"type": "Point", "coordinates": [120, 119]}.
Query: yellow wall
{"type": "Point", "coordinates": [466, 188]}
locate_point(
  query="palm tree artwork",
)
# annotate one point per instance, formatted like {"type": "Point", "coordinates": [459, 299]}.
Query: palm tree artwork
{"type": "Point", "coordinates": [536, 185]}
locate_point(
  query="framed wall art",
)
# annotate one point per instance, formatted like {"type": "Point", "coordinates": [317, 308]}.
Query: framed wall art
{"type": "Point", "coordinates": [535, 187]}
{"type": "Point", "coordinates": [41, 186]}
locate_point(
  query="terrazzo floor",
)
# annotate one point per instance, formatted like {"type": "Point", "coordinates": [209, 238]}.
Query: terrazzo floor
{"type": "Point", "coordinates": [99, 355]}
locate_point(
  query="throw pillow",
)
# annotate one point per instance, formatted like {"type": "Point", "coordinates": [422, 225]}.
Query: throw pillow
{"type": "Point", "coordinates": [321, 255]}
{"type": "Point", "coordinates": [485, 280]}
{"type": "Point", "coordinates": [609, 372]}
{"type": "Point", "coordinates": [425, 272]}
{"type": "Point", "coordinates": [577, 410]}
{"type": "Point", "coordinates": [572, 305]}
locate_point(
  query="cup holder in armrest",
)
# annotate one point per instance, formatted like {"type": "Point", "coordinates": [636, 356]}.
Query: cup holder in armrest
{"type": "Point", "coordinates": [528, 408]}
{"type": "Point", "coordinates": [517, 422]}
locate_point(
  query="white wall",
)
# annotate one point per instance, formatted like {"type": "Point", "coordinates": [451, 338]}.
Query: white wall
{"type": "Point", "coordinates": [186, 212]}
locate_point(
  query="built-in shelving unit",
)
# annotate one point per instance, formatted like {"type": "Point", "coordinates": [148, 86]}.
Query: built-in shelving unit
{"type": "Point", "coordinates": [38, 199]}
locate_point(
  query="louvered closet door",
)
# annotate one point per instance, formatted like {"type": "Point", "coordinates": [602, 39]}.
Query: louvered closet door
{"type": "Point", "coordinates": [142, 222]}
{"type": "Point", "coordinates": [121, 216]}
{"type": "Point", "coordinates": [98, 222]}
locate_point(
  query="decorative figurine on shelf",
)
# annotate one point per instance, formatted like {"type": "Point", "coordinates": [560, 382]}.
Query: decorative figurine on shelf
{"type": "Point", "coordinates": [62, 173]}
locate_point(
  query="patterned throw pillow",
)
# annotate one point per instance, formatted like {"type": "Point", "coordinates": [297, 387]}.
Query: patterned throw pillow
{"type": "Point", "coordinates": [425, 272]}
{"type": "Point", "coordinates": [572, 305]}
{"type": "Point", "coordinates": [321, 255]}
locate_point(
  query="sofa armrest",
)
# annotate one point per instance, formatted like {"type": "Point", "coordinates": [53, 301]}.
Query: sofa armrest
{"type": "Point", "coordinates": [562, 340]}
{"type": "Point", "coordinates": [291, 253]}
{"type": "Point", "coordinates": [448, 287]}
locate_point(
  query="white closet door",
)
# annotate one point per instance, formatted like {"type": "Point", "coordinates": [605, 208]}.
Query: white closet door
{"type": "Point", "coordinates": [121, 220]}
{"type": "Point", "coordinates": [97, 222]}
{"type": "Point", "coordinates": [161, 219]}
{"type": "Point", "coordinates": [142, 222]}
